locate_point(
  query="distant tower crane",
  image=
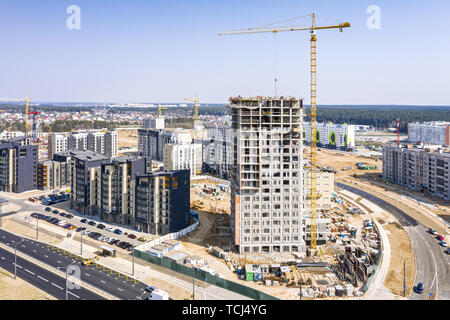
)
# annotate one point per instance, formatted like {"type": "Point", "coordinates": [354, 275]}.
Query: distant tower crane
{"type": "Point", "coordinates": [398, 131]}
{"type": "Point", "coordinates": [27, 101]}
{"type": "Point", "coordinates": [313, 155]}
{"type": "Point", "coordinates": [196, 104]}
{"type": "Point", "coordinates": [160, 110]}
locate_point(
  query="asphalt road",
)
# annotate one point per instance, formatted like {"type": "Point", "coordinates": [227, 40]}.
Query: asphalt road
{"type": "Point", "coordinates": [43, 279]}
{"type": "Point", "coordinates": [102, 278]}
{"type": "Point", "coordinates": [432, 263]}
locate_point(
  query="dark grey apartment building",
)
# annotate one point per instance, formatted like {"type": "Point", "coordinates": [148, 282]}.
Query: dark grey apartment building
{"type": "Point", "coordinates": [18, 165]}
{"type": "Point", "coordinates": [162, 201]}
{"type": "Point", "coordinates": [85, 183]}
{"type": "Point", "coordinates": [118, 188]}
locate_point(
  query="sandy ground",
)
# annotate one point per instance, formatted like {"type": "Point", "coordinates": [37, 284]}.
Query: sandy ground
{"type": "Point", "coordinates": [28, 230]}
{"type": "Point", "coordinates": [19, 289]}
{"type": "Point", "coordinates": [400, 250]}
{"type": "Point", "coordinates": [127, 138]}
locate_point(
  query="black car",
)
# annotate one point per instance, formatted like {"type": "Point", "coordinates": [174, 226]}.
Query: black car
{"type": "Point", "coordinates": [122, 244]}
{"type": "Point", "coordinates": [129, 247]}
{"type": "Point", "coordinates": [115, 242]}
{"type": "Point", "coordinates": [83, 221]}
{"type": "Point", "coordinates": [34, 214]}
{"type": "Point", "coordinates": [55, 221]}
{"type": "Point", "coordinates": [70, 216]}
{"type": "Point", "coordinates": [48, 209]}
{"type": "Point", "coordinates": [92, 223]}
{"type": "Point", "coordinates": [80, 229]}
{"type": "Point", "coordinates": [101, 226]}
{"type": "Point", "coordinates": [48, 219]}
{"type": "Point", "coordinates": [62, 214]}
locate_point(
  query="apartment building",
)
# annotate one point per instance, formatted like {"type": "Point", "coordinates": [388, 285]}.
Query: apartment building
{"type": "Point", "coordinates": [332, 136]}
{"type": "Point", "coordinates": [419, 167]}
{"type": "Point", "coordinates": [218, 150]}
{"type": "Point", "coordinates": [151, 142]}
{"type": "Point", "coordinates": [57, 142]}
{"type": "Point", "coordinates": [117, 179]}
{"type": "Point", "coordinates": [433, 132]}
{"type": "Point", "coordinates": [18, 165]}
{"type": "Point", "coordinates": [5, 135]}
{"type": "Point", "coordinates": [54, 174]}
{"type": "Point", "coordinates": [267, 213]}
{"type": "Point", "coordinates": [85, 181]}
{"type": "Point", "coordinates": [104, 142]}
{"type": "Point", "coordinates": [184, 156]}
{"type": "Point", "coordinates": [154, 124]}
{"type": "Point", "coordinates": [163, 201]}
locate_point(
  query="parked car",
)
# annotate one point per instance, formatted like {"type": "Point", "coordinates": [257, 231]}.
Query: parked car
{"type": "Point", "coordinates": [439, 237]}
{"type": "Point", "coordinates": [110, 229]}
{"type": "Point", "coordinates": [118, 231]}
{"type": "Point", "coordinates": [70, 216]}
{"type": "Point", "coordinates": [419, 288]}
{"type": "Point", "coordinates": [83, 220]}
{"type": "Point", "coordinates": [73, 227]}
{"type": "Point", "coordinates": [142, 239]}
{"type": "Point", "coordinates": [444, 243]}
{"type": "Point", "coordinates": [66, 226]}
{"type": "Point", "coordinates": [122, 244]}
{"type": "Point", "coordinates": [48, 209]}
{"type": "Point", "coordinates": [115, 241]}
{"type": "Point", "coordinates": [129, 247]}
{"type": "Point", "coordinates": [34, 214]}
{"type": "Point", "coordinates": [151, 289]}
{"type": "Point", "coordinates": [92, 223]}
{"type": "Point", "coordinates": [101, 226]}
{"type": "Point", "coordinates": [132, 236]}
{"type": "Point", "coordinates": [55, 211]}
{"type": "Point", "coordinates": [432, 231]}
{"type": "Point", "coordinates": [85, 232]}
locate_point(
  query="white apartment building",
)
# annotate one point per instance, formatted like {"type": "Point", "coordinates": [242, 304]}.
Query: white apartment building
{"type": "Point", "coordinates": [333, 136]}
{"type": "Point", "coordinates": [6, 135]}
{"type": "Point", "coordinates": [434, 132]}
{"type": "Point", "coordinates": [420, 167]}
{"type": "Point", "coordinates": [218, 150]}
{"type": "Point", "coordinates": [183, 156]}
{"type": "Point", "coordinates": [267, 196]}
{"type": "Point", "coordinates": [104, 142]}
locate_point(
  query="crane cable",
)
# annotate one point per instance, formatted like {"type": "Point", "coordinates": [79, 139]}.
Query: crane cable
{"type": "Point", "coordinates": [275, 63]}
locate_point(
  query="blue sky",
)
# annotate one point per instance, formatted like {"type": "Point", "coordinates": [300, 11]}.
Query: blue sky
{"type": "Point", "coordinates": [162, 50]}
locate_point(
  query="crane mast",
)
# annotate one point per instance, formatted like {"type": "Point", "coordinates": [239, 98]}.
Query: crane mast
{"type": "Point", "coordinates": [313, 195]}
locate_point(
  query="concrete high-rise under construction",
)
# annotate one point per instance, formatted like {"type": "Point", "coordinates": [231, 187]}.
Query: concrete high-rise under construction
{"type": "Point", "coordinates": [267, 196]}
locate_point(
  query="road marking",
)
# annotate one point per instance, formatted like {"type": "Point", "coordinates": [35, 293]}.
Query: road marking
{"type": "Point", "coordinates": [45, 255]}
{"type": "Point", "coordinates": [3, 258]}
{"type": "Point", "coordinates": [29, 272]}
{"type": "Point", "coordinates": [34, 251]}
{"type": "Point", "coordinates": [74, 295]}
{"type": "Point", "coordinates": [102, 281]}
{"type": "Point", "coordinates": [19, 266]}
{"type": "Point", "coordinates": [119, 289]}
{"type": "Point", "coordinates": [58, 261]}
{"type": "Point", "coordinates": [57, 286]}
{"type": "Point", "coordinates": [435, 268]}
{"type": "Point", "coordinates": [42, 278]}
{"type": "Point", "coordinates": [87, 274]}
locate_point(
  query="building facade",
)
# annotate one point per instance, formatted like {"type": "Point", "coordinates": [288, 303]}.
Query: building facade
{"type": "Point", "coordinates": [421, 167]}
{"type": "Point", "coordinates": [117, 179]}
{"type": "Point", "coordinates": [163, 202]}
{"type": "Point", "coordinates": [434, 132]}
{"type": "Point", "coordinates": [267, 196]}
{"type": "Point", "coordinates": [332, 136]}
{"type": "Point", "coordinates": [184, 156]}
{"type": "Point", "coordinates": [155, 124]}
{"type": "Point", "coordinates": [18, 165]}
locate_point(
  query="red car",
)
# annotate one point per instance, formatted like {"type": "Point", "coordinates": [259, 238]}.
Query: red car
{"type": "Point", "coordinates": [439, 237]}
{"type": "Point", "coordinates": [132, 236]}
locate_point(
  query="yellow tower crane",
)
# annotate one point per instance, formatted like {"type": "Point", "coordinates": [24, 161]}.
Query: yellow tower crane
{"type": "Point", "coordinates": [27, 101]}
{"type": "Point", "coordinates": [196, 103]}
{"type": "Point", "coordinates": [160, 110]}
{"type": "Point", "coordinates": [313, 196]}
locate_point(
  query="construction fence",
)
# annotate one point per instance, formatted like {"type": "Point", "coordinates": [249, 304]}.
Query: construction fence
{"type": "Point", "coordinates": [211, 178]}
{"type": "Point", "coordinates": [204, 276]}
{"type": "Point", "coordinates": [174, 235]}
{"type": "Point", "coordinates": [366, 285]}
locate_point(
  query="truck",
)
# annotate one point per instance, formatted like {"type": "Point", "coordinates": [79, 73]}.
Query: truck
{"type": "Point", "coordinates": [158, 294]}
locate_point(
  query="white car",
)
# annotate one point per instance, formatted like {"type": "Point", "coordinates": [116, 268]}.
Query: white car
{"type": "Point", "coordinates": [61, 223]}
{"type": "Point", "coordinates": [85, 232]}
{"type": "Point", "coordinates": [444, 244]}
{"type": "Point", "coordinates": [110, 229]}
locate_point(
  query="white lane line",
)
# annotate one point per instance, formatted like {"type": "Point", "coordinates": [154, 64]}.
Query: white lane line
{"type": "Point", "coordinates": [102, 281]}
{"type": "Point", "coordinates": [29, 272]}
{"type": "Point", "coordinates": [42, 278]}
{"type": "Point", "coordinates": [45, 255]}
{"type": "Point", "coordinates": [74, 295]}
{"type": "Point", "coordinates": [34, 251]}
{"type": "Point", "coordinates": [57, 286]}
{"type": "Point", "coordinates": [19, 266]}
{"type": "Point", "coordinates": [3, 258]}
{"type": "Point", "coordinates": [87, 274]}
{"type": "Point", "coordinates": [119, 289]}
{"type": "Point", "coordinates": [58, 261]}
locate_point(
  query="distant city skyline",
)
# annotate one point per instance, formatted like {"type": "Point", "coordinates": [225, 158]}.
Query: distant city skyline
{"type": "Point", "coordinates": [135, 51]}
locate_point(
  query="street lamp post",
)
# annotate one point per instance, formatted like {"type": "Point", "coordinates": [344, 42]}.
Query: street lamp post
{"type": "Point", "coordinates": [81, 244]}
{"type": "Point", "coordinates": [404, 278]}
{"type": "Point", "coordinates": [37, 228]}
{"type": "Point", "coordinates": [193, 284]}
{"type": "Point", "coordinates": [15, 258]}
{"type": "Point", "coordinates": [132, 259]}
